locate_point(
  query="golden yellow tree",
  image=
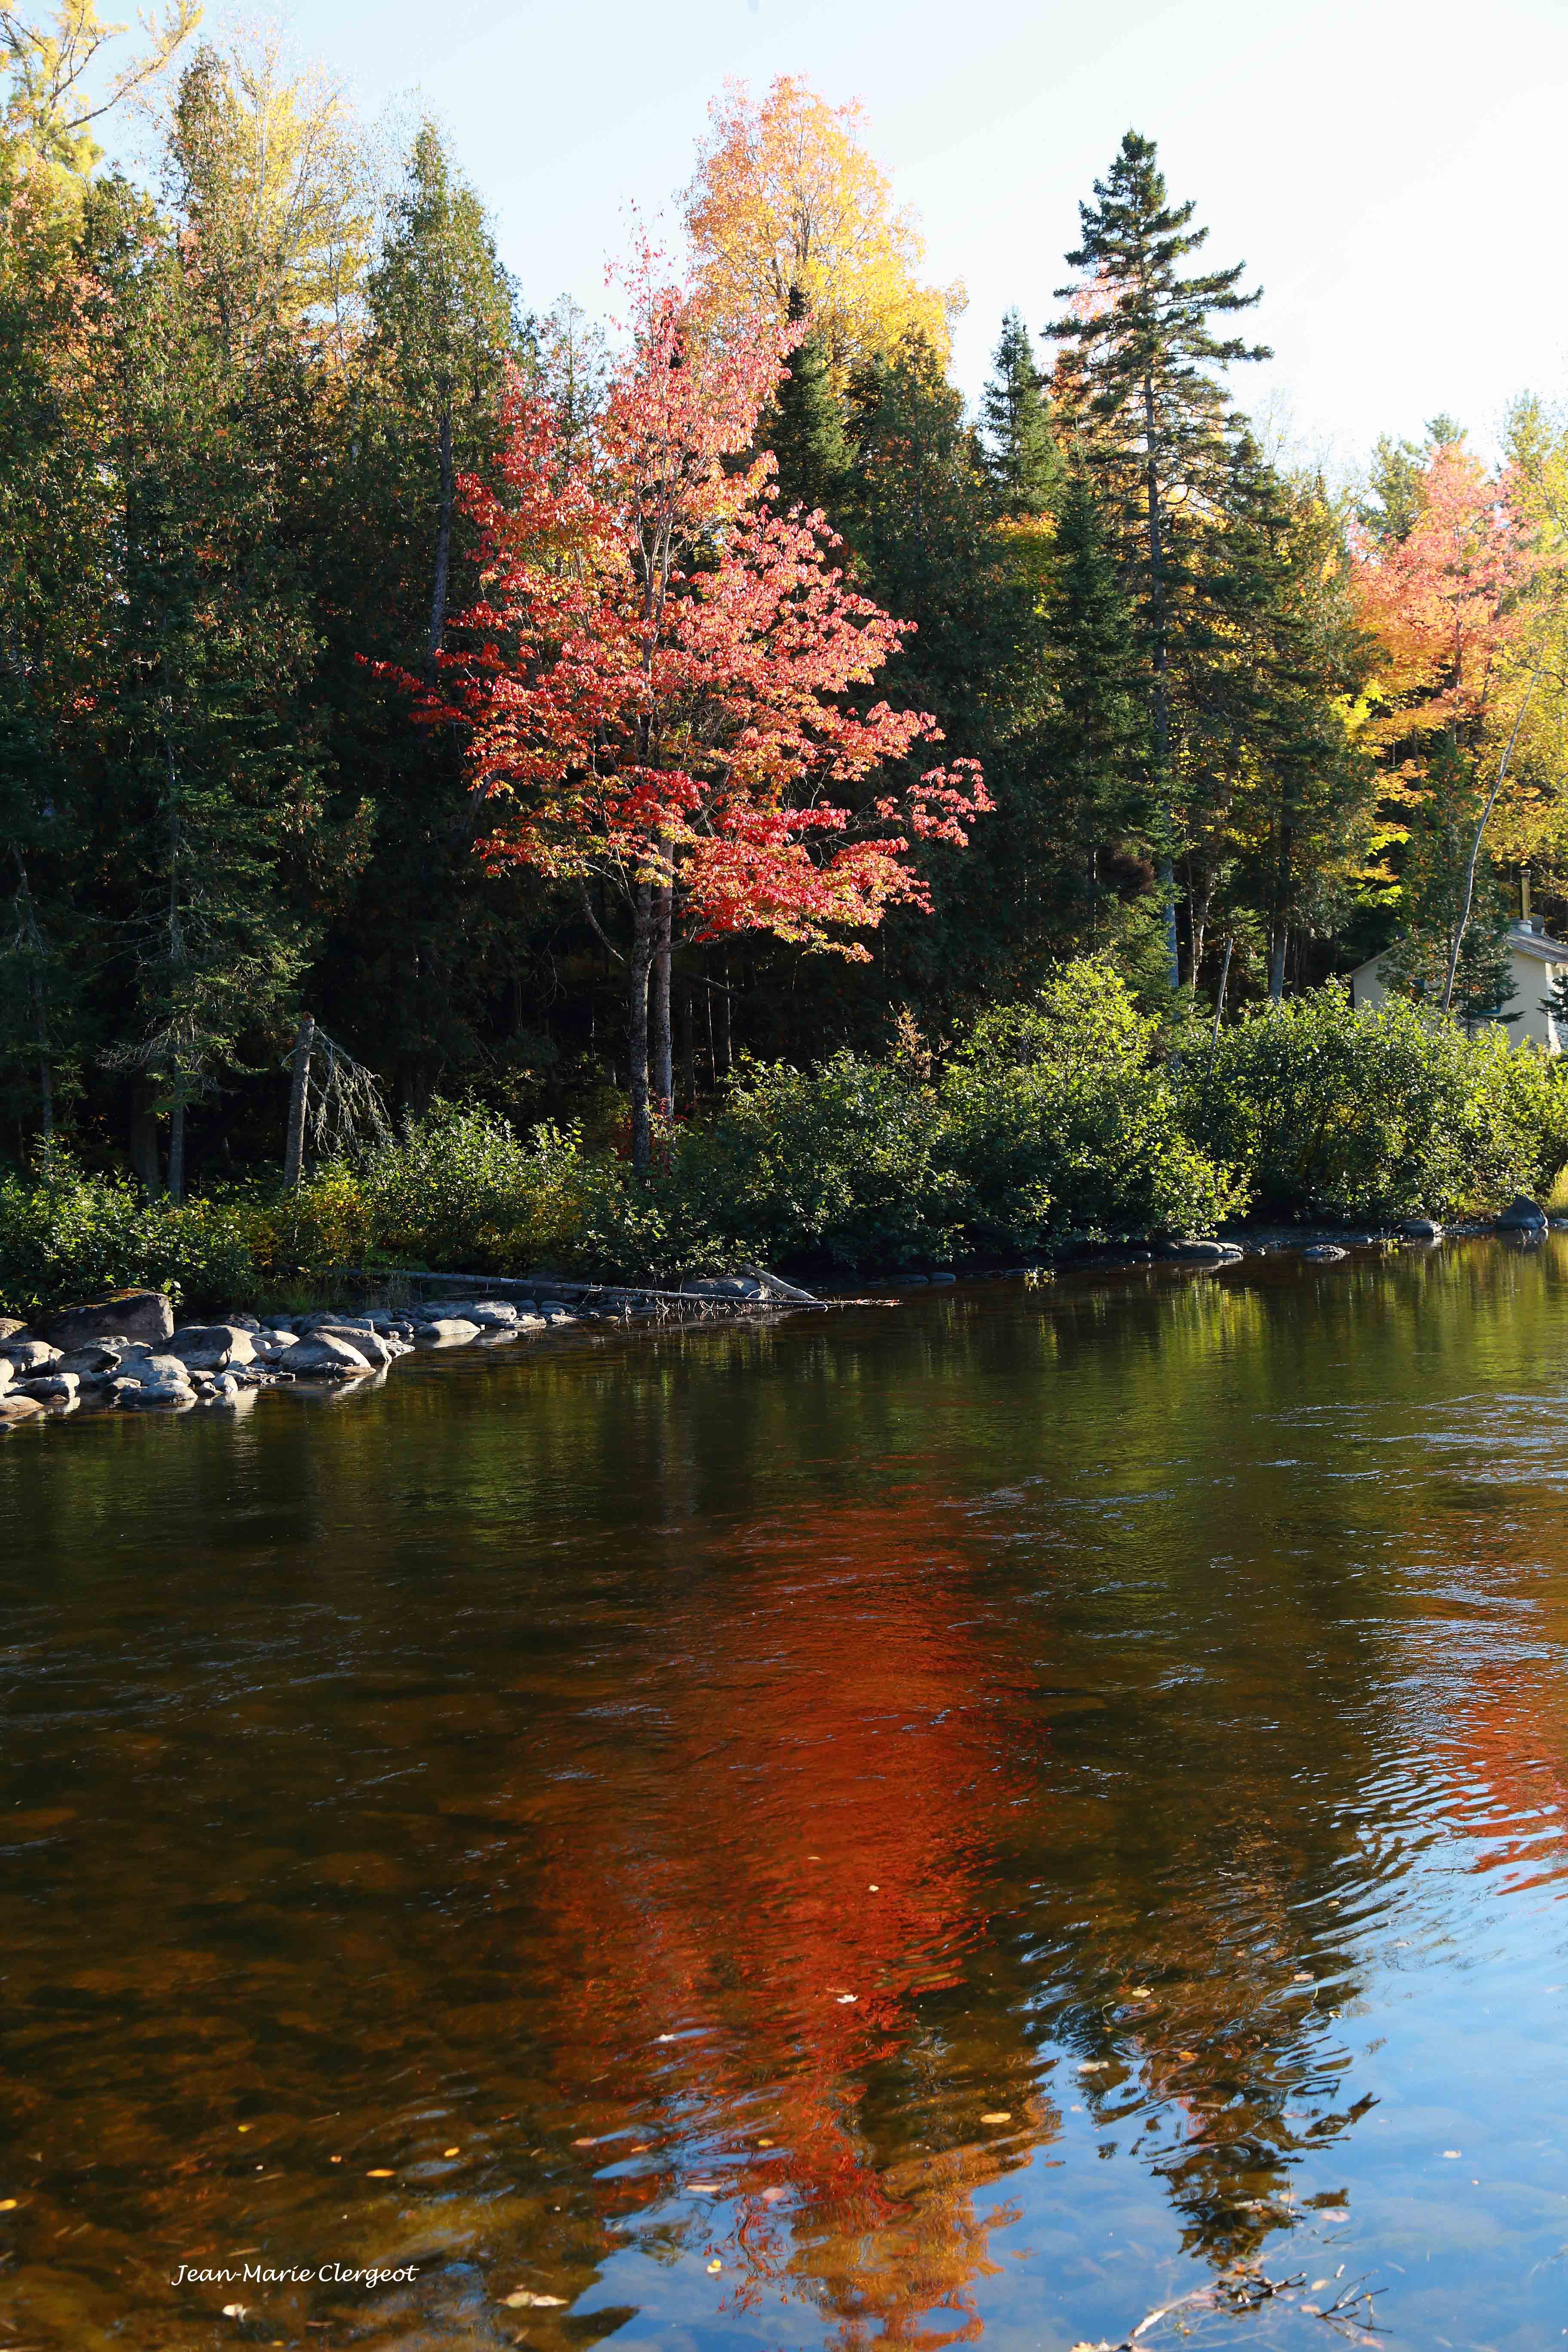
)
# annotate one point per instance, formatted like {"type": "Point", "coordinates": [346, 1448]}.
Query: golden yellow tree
{"type": "Point", "coordinates": [785, 200]}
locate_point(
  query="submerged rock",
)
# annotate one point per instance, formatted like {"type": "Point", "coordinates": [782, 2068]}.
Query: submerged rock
{"type": "Point", "coordinates": [1323, 1253]}
{"type": "Point", "coordinates": [1421, 1229]}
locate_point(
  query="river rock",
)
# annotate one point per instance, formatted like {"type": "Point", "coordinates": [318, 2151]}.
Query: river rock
{"type": "Point", "coordinates": [446, 1332]}
{"type": "Point", "coordinates": [14, 1408]}
{"type": "Point", "coordinates": [90, 1363]}
{"type": "Point", "coordinates": [10, 1327]}
{"type": "Point", "coordinates": [1323, 1253]}
{"type": "Point", "coordinates": [145, 1314]}
{"type": "Point", "coordinates": [322, 1357]}
{"type": "Point", "coordinates": [1206, 1253]}
{"type": "Point", "coordinates": [1522, 1215]}
{"type": "Point", "coordinates": [29, 1356]}
{"type": "Point", "coordinates": [211, 1347]}
{"type": "Point", "coordinates": [1421, 1229]}
{"type": "Point", "coordinates": [7, 1373]}
{"type": "Point", "coordinates": [54, 1388]}
{"type": "Point", "coordinates": [371, 1345]}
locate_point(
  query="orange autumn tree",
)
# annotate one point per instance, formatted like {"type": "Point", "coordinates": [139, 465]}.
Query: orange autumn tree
{"type": "Point", "coordinates": [1448, 603]}
{"type": "Point", "coordinates": [788, 210]}
{"type": "Point", "coordinates": [664, 679]}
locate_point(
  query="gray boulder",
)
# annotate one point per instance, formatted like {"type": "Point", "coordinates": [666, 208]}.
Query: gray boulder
{"type": "Point", "coordinates": [10, 1327]}
{"type": "Point", "coordinates": [90, 1363]}
{"type": "Point", "coordinates": [1522, 1215]}
{"type": "Point", "coordinates": [211, 1347]}
{"type": "Point", "coordinates": [1421, 1229]}
{"type": "Point", "coordinates": [1206, 1253]}
{"type": "Point", "coordinates": [446, 1332]}
{"type": "Point", "coordinates": [14, 1408]}
{"type": "Point", "coordinates": [1322, 1253]}
{"type": "Point", "coordinates": [322, 1357]}
{"type": "Point", "coordinates": [145, 1314]}
{"type": "Point", "coordinates": [54, 1388]}
{"type": "Point", "coordinates": [7, 1373]}
{"type": "Point", "coordinates": [27, 1355]}
{"type": "Point", "coordinates": [371, 1345]}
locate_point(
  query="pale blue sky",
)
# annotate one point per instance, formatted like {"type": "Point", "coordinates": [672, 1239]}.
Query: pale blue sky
{"type": "Point", "coordinates": [1391, 170]}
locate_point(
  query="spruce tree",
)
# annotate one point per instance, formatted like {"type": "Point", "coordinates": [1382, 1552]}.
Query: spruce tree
{"type": "Point", "coordinates": [1095, 742]}
{"type": "Point", "coordinates": [1020, 450]}
{"type": "Point", "coordinates": [1155, 419]}
{"type": "Point", "coordinates": [804, 427]}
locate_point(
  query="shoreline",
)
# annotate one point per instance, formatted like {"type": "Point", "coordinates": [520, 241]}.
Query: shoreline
{"type": "Point", "coordinates": [125, 1350]}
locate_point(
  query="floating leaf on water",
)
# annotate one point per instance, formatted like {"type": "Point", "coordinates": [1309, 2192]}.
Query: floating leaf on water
{"type": "Point", "coordinates": [998, 2116]}
{"type": "Point", "coordinates": [7, 2204]}
{"type": "Point", "coordinates": [764, 2143]}
{"type": "Point", "coordinates": [1313, 2310]}
{"type": "Point", "coordinates": [715, 2265]}
{"type": "Point", "coordinates": [1453, 2151]}
{"type": "Point", "coordinates": [873, 1890]}
{"type": "Point", "coordinates": [846, 2000]}
{"type": "Point", "coordinates": [1302, 1976]}
{"type": "Point", "coordinates": [1333, 2213]}
{"type": "Point", "coordinates": [522, 2298]}
{"type": "Point", "coordinates": [1188, 2057]}
{"type": "Point", "coordinates": [1139, 1993]}
{"type": "Point", "coordinates": [664, 2037]}
{"type": "Point", "coordinates": [771, 2195]}
{"type": "Point", "coordinates": [704, 2188]}
{"type": "Point", "coordinates": [584, 2143]}
{"type": "Point", "coordinates": [381, 2173]}
{"type": "Point", "coordinates": [451, 2151]}
{"type": "Point", "coordinates": [234, 2310]}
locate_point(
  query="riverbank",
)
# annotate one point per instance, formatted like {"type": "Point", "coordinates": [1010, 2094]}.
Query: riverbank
{"type": "Point", "coordinates": [127, 1350]}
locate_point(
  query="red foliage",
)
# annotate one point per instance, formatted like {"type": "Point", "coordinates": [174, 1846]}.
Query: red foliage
{"type": "Point", "coordinates": [661, 677]}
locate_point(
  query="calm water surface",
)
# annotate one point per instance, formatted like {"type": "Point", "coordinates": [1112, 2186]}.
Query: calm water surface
{"type": "Point", "coordinates": [947, 1825]}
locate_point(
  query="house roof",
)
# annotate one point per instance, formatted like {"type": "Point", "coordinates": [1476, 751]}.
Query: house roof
{"type": "Point", "coordinates": [1521, 941]}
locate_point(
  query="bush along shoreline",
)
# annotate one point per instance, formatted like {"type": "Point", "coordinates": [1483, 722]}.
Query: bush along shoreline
{"type": "Point", "coordinates": [1067, 1125]}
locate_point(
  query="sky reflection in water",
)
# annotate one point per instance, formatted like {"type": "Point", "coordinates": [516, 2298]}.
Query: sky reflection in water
{"type": "Point", "coordinates": [976, 1819]}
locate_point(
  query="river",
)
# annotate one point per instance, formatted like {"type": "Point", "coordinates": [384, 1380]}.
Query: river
{"type": "Point", "coordinates": [960, 1823]}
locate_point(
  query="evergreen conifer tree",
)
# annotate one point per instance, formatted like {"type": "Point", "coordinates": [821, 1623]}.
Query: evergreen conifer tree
{"type": "Point", "coordinates": [1020, 449]}
{"type": "Point", "coordinates": [1155, 418]}
{"type": "Point", "coordinates": [804, 427]}
{"type": "Point", "coordinates": [1095, 741]}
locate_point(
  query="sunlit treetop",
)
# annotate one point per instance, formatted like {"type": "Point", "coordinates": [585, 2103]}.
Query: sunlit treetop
{"type": "Point", "coordinates": [49, 94]}
{"type": "Point", "coordinates": [786, 200]}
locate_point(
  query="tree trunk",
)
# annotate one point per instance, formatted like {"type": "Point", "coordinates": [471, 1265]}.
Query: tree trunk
{"type": "Point", "coordinates": [1159, 706]}
{"type": "Point", "coordinates": [178, 1150]}
{"type": "Point", "coordinates": [1276, 965]}
{"type": "Point", "coordinates": [443, 540]}
{"type": "Point", "coordinates": [688, 1047]}
{"type": "Point", "coordinates": [1281, 920]}
{"type": "Point", "coordinates": [298, 1090]}
{"type": "Point", "coordinates": [724, 1021]}
{"type": "Point", "coordinates": [638, 965]}
{"type": "Point", "coordinates": [662, 1040]}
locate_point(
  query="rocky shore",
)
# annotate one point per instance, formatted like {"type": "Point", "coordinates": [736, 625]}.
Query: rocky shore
{"type": "Point", "coordinates": [126, 1351]}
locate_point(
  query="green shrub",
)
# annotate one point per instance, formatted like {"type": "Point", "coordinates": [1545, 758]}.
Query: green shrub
{"type": "Point", "coordinates": [1059, 1120]}
{"type": "Point", "coordinates": [1374, 1113]}
{"type": "Point", "coordinates": [67, 1235]}
{"type": "Point", "coordinates": [841, 1161]}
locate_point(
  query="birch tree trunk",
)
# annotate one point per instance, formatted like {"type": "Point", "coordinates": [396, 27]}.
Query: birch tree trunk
{"type": "Point", "coordinates": [298, 1088]}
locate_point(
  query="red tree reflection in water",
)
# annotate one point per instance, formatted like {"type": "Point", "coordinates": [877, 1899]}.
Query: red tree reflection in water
{"type": "Point", "coordinates": [777, 1843]}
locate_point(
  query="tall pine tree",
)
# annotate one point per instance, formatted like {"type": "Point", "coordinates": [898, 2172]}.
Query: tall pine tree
{"type": "Point", "coordinates": [1021, 453]}
{"type": "Point", "coordinates": [1155, 417]}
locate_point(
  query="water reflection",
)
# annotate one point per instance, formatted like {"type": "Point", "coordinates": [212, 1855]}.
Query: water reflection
{"type": "Point", "coordinates": [971, 1821]}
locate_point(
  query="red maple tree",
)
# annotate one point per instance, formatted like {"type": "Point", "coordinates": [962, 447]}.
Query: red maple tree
{"type": "Point", "coordinates": [664, 677]}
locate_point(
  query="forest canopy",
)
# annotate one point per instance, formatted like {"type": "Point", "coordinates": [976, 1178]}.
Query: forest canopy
{"type": "Point", "coordinates": [557, 717]}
